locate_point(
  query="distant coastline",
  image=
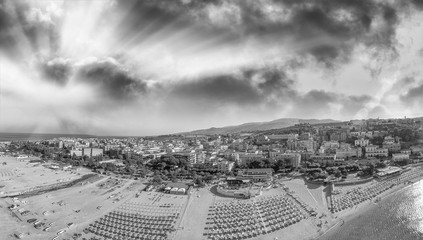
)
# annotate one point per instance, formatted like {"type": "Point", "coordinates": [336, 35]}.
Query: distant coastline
{"type": "Point", "coordinates": [4, 136]}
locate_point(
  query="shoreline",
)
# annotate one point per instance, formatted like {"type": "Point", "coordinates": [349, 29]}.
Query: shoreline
{"type": "Point", "coordinates": [50, 188]}
{"type": "Point", "coordinates": [356, 211]}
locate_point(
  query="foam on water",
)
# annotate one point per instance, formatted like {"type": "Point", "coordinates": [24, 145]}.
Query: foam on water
{"type": "Point", "coordinates": [398, 216]}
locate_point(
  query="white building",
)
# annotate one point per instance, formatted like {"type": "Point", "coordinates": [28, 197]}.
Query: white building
{"type": "Point", "coordinates": [361, 142]}
{"type": "Point", "coordinates": [91, 152]}
{"type": "Point", "coordinates": [330, 144]}
{"type": "Point", "coordinates": [289, 136]}
{"type": "Point", "coordinates": [396, 157]}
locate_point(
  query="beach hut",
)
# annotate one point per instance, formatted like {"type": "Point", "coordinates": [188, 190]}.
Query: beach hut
{"type": "Point", "coordinates": [174, 190]}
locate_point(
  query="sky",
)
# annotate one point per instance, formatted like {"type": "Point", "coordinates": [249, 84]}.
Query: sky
{"type": "Point", "coordinates": [148, 67]}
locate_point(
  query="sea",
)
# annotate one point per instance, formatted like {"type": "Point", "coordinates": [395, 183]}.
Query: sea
{"type": "Point", "coordinates": [37, 136]}
{"type": "Point", "coordinates": [398, 216]}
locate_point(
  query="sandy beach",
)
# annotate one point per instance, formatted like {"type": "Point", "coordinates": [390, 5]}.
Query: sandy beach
{"type": "Point", "coordinates": [87, 203]}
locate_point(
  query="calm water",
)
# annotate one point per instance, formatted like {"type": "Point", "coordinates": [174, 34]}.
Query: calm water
{"type": "Point", "coordinates": [398, 216]}
{"type": "Point", "coordinates": [35, 136]}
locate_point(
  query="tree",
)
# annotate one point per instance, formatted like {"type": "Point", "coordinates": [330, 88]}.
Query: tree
{"type": "Point", "coordinates": [208, 177]}
{"type": "Point", "coordinates": [129, 169]}
{"type": "Point", "coordinates": [371, 169]}
{"type": "Point", "coordinates": [218, 175]}
{"type": "Point", "coordinates": [142, 171]}
{"type": "Point", "coordinates": [256, 163]}
{"type": "Point", "coordinates": [90, 163]}
{"type": "Point", "coordinates": [342, 169]}
{"type": "Point", "coordinates": [157, 180]}
{"type": "Point", "coordinates": [110, 167]}
{"type": "Point", "coordinates": [380, 165]}
{"type": "Point", "coordinates": [279, 165]}
{"type": "Point", "coordinates": [338, 174]}
{"type": "Point", "coordinates": [199, 181]}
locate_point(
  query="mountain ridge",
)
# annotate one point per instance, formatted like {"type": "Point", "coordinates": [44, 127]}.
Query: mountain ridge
{"type": "Point", "coordinates": [259, 126]}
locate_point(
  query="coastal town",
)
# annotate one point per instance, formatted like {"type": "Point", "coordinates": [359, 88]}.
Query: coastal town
{"type": "Point", "coordinates": [269, 184]}
{"type": "Point", "coordinates": [211, 120]}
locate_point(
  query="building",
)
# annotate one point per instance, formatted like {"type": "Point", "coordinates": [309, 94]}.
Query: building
{"type": "Point", "coordinates": [362, 134]}
{"type": "Point", "coordinates": [107, 161]}
{"type": "Point", "coordinates": [293, 157]}
{"type": "Point", "coordinates": [237, 182]}
{"type": "Point", "coordinates": [76, 152]}
{"type": "Point", "coordinates": [246, 158]}
{"type": "Point", "coordinates": [416, 149]}
{"type": "Point", "coordinates": [392, 144]}
{"type": "Point", "coordinates": [406, 151]}
{"type": "Point", "coordinates": [388, 171]}
{"type": "Point", "coordinates": [91, 152]}
{"type": "Point", "coordinates": [256, 174]}
{"type": "Point", "coordinates": [305, 136]}
{"type": "Point", "coordinates": [323, 157]}
{"type": "Point", "coordinates": [388, 140]}
{"type": "Point", "coordinates": [308, 145]}
{"type": "Point", "coordinates": [338, 136]}
{"type": "Point", "coordinates": [347, 152]}
{"type": "Point", "coordinates": [292, 144]}
{"type": "Point", "coordinates": [22, 157]}
{"type": "Point", "coordinates": [392, 147]}
{"type": "Point", "coordinates": [399, 157]}
{"type": "Point", "coordinates": [361, 142]}
{"type": "Point", "coordinates": [200, 157]}
{"type": "Point", "coordinates": [176, 188]}
{"type": "Point", "coordinates": [225, 166]}
{"type": "Point", "coordinates": [67, 167]}
{"type": "Point", "coordinates": [375, 151]}
{"type": "Point", "coordinates": [289, 136]}
{"type": "Point", "coordinates": [191, 156]}
{"type": "Point", "coordinates": [330, 144]}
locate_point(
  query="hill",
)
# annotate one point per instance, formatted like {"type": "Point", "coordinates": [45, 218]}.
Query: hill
{"type": "Point", "coordinates": [259, 126]}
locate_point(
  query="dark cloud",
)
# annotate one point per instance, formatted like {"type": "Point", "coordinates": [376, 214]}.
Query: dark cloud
{"type": "Point", "coordinates": [313, 103]}
{"type": "Point", "coordinates": [7, 40]}
{"type": "Point", "coordinates": [413, 95]}
{"type": "Point", "coordinates": [112, 80]}
{"type": "Point", "coordinates": [57, 71]}
{"type": "Point", "coordinates": [317, 103]}
{"type": "Point", "coordinates": [39, 27]}
{"type": "Point", "coordinates": [329, 29]}
{"type": "Point", "coordinates": [343, 24]}
{"type": "Point", "coordinates": [249, 87]}
{"type": "Point", "coordinates": [266, 88]}
{"type": "Point", "coordinates": [353, 104]}
{"type": "Point", "coordinates": [163, 19]}
{"type": "Point", "coordinates": [417, 3]}
{"type": "Point", "coordinates": [222, 89]}
{"type": "Point", "coordinates": [326, 54]}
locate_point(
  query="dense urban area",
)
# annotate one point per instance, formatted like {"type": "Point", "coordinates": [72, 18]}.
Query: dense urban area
{"type": "Point", "coordinates": [303, 176]}
{"type": "Point", "coordinates": [324, 151]}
